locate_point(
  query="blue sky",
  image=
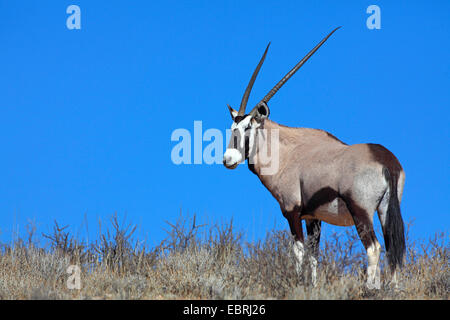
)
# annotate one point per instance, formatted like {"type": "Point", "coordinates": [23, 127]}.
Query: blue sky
{"type": "Point", "coordinates": [86, 115]}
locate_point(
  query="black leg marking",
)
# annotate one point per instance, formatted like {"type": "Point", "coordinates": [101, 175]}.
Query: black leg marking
{"type": "Point", "coordinates": [313, 228]}
{"type": "Point", "coordinates": [363, 223]}
{"type": "Point", "coordinates": [295, 224]}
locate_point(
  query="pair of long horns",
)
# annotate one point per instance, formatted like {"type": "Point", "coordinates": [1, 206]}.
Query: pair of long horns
{"type": "Point", "coordinates": [281, 82]}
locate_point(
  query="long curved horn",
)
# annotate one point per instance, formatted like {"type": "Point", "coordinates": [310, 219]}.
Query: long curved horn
{"type": "Point", "coordinates": [294, 70]}
{"type": "Point", "coordinates": [250, 84]}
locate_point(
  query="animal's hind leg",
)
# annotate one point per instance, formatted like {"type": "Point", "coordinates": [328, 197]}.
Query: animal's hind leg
{"type": "Point", "coordinates": [382, 215]}
{"type": "Point", "coordinates": [364, 225]}
{"type": "Point", "coordinates": [313, 230]}
{"type": "Point", "coordinates": [295, 225]}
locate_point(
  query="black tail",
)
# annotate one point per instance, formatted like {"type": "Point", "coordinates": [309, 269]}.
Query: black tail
{"type": "Point", "coordinates": [394, 230]}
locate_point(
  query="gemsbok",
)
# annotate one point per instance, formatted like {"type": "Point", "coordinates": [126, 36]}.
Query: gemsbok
{"type": "Point", "coordinates": [320, 178]}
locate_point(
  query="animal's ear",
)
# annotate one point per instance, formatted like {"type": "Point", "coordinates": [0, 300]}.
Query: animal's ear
{"type": "Point", "coordinates": [233, 112]}
{"type": "Point", "coordinates": [261, 111]}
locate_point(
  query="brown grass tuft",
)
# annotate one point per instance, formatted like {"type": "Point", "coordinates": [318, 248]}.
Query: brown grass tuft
{"type": "Point", "coordinates": [209, 262]}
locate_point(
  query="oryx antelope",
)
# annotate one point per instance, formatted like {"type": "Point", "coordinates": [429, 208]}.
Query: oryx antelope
{"type": "Point", "coordinates": [320, 178]}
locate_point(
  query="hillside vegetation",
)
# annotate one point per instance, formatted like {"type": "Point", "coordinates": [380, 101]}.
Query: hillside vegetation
{"type": "Point", "coordinates": [209, 262]}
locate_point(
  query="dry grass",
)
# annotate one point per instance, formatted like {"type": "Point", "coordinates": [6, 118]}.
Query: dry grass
{"type": "Point", "coordinates": [209, 262]}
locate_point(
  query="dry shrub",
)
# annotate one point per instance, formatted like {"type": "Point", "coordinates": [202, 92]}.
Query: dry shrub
{"type": "Point", "coordinates": [210, 262]}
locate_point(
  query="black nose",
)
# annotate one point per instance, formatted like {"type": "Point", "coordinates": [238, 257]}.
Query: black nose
{"type": "Point", "coordinates": [226, 159]}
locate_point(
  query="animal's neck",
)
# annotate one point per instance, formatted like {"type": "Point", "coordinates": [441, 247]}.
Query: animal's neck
{"type": "Point", "coordinates": [275, 143]}
{"type": "Point", "coordinates": [272, 141]}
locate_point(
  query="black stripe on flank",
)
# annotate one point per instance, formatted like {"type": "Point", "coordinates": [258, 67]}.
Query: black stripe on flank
{"type": "Point", "coordinates": [319, 198]}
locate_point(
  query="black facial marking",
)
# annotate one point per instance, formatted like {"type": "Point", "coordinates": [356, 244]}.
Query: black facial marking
{"type": "Point", "coordinates": [262, 110]}
{"type": "Point", "coordinates": [235, 141]}
{"type": "Point", "coordinates": [236, 138]}
{"type": "Point", "coordinates": [247, 145]}
{"type": "Point", "coordinates": [239, 118]}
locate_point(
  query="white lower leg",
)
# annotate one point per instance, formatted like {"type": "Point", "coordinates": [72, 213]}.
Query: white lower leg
{"type": "Point", "coordinates": [373, 268]}
{"type": "Point", "coordinates": [313, 264]}
{"type": "Point", "coordinates": [394, 280]}
{"type": "Point", "coordinates": [299, 251]}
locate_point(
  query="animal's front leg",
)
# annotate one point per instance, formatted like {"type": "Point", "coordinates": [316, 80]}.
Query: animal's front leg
{"type": "Point", "coordinates": [295, 225]}
{"type": "Point", "coordinates": [313, 230]}
{"type": "Point", "coordinates": [299, 252]}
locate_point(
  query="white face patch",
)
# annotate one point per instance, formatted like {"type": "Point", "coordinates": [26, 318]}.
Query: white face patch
{"type": "Point", "coordinates": [241, 126]}
{"type": "Point", "coordinates": [232, 157]}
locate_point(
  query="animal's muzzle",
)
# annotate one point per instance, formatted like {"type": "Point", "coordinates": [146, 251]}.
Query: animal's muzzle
{"type": "Point", "coordinates": [231, 158]}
